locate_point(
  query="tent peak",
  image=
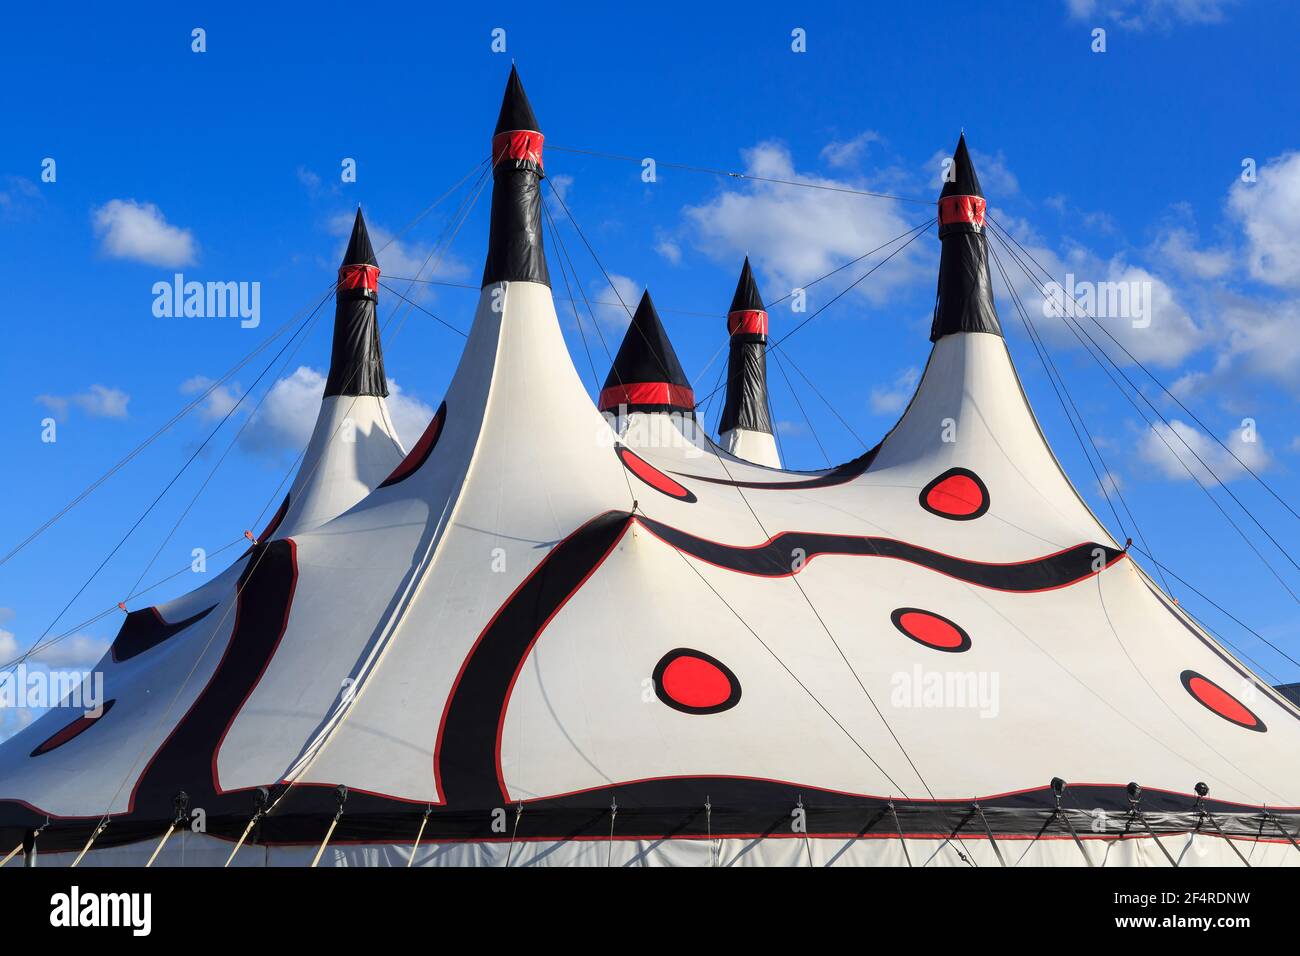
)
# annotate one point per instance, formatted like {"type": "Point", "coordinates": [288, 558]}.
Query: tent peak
{"type": "Point", "coordinates": [516, 111]}
{"type": "Point", "coordinates": [746, 298]}
{"type": "Point", "coordinates": [515, 250]}
{"type": "Point", "coordinates": [960, 178]}
{"type": "Point", "coordinates": [359, 252]}
{"type": "Point", "coordinates": [646, 375]}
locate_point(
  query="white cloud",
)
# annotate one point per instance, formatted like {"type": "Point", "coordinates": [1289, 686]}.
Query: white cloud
{"type": "Point", "coordinates": [1164, 334]}
{"type": "Point", "coordinates": [309, 179]}
{"type": "Point", "coordinates": [283, 425]}
{"type": "Point", "coordinates": [609, 308]}
{"type": "Point", "coordinates": [1178, 248]}
{"type": "Point", "coordinates": [98, 401]}
{"type": "Point", "coordinates": [400, 258]}
{"type": "Point", "coordinates": [17, 196]}
{"type": "Point", "coordinates": [1269, 214]}
{"type": "Point", "coordinates": [1141, 14]}
{"type": "Point", "coordinates": [8, 646]}
{"type": "Point", "coordinates": [669, 250]}
{"type": "Point", "coordinates": [216, 404]}
{"type": "Point", "coordinates": [561, 183]}
{"type": "Point", "coordinates": [843, 153]}
{"type": "Point", "coordinates": [1174, 449]}
{"type": "Point", "coordinates": [797, 234]}
{"type": "Point", "coordinates": [892, 399]}
{"type": "Point", "coordinates": [139, 231]}
{"type": "Point", "coordinates": [77, 651]}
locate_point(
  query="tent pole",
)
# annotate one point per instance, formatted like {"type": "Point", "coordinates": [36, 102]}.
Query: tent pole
{"type": "Point", "coordinates": [987, 830]}
{"type": "Point", "coordinates": [708, 823]}
{"type": "Point", "coordinates": [1203, 814]}
{"type": "Point", "coordinates": [171, 828]}
{"type": "Point", "coordinates": [1058, 790]}
{"type": "Point", "coordinates": [1135, 798]}
{"type": "Point", "coordinates": [338, 815]}
{"type": "Point", "coordinates": [181, 803]}
{"type": "Point", "coordinates": [262, 796]}
{"type": "Point", "coordinates": [898, 827]}
{"type": "Point", "coordinates": [1285, 832]}
{"type": "Point", "coordinates": [613, 815]}
{"type": "Point", "coordinates": [99, 828]}
{"type": "Point", "coordinates": [428, 809]}
{"type": "Point", "coordinates": [519, 812]}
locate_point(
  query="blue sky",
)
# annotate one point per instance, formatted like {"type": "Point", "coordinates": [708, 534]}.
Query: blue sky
{"type": "Point", "coordinates": [225, 165]}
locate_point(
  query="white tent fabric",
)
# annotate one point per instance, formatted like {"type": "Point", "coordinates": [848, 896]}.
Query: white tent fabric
{"type": "Point", "coordinates": [535, 622]}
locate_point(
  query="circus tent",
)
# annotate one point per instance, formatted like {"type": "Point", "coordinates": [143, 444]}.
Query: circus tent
{"type": "Point", "coordinates": [536, 639]}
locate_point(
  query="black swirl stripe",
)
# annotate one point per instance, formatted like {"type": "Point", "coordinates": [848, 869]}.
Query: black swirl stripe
{"type": "Point", "coordinates": [467, 762]}
{"type": "Point", "coordinates": [836, 476]}
{"type": "Point", "coordinates": [777, 558]}
{"type": "Point", "coordinates": [146, 628]}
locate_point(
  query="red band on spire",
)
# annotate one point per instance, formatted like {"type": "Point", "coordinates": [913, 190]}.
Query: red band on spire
{"type": "Point", "coordinates": [647, 393]}
{"type": "Point", "coordinates": [519, 144]}
{"type": "Point", "coordinates": [359, 277]}
{"type": "Point", "coordinates": [954, 209]}
{"type": "Point", "coordinates": [747, 322]}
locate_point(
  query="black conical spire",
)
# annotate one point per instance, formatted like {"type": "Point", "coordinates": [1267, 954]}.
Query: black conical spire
{"type": "Point", "coordinates": [746, 297]}
{"type": "Point", "coordinates": [360, 251]}
{"type": "Point", "coordinates": [747, 403]}
{"type": "Point", "coordinates": [961, 180]}
{"type": "Point", "coordinates": [516, 111]}
{"type": "Point", "coordinates": [646, 375]}
{"type": "Point", "coordinates": [964, 298]}
{"type": "Point", "coordinates": [515, 252]}
{"type": "Point", "coordinates": [356, 361]}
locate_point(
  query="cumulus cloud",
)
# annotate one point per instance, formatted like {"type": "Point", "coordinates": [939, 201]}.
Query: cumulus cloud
{"type": "Point", "coordinates": [400, 258]}
{"type": "Point", "coordinates": [670, 250]}
{"type": "Point", "coordinates": [1144, 14]}
{"type": "Point", "coordinates": [608, 306]}
{"type": "Point", "coordinates": [892, 399]}
{"type": "Point", "coordinates": [77, 651]}
{"type": "Point", "coordinates": [98, 401]}
{"type": "Point", "coordinates": [1177, 247]}
{"type": "Point", "coordinates": [561, 183]}
{"type": "Point", "coordinates": [1179, 451]}
{"type": "Point", "coordinates": [1138, 308]}
{"type": "Point", "coordinates": [796, 234]}
{"type": "Point", "coordinates": [1268, 212]}
{"type": "Point", "coordinates": [844, 153]}
{"type": "Point", "coordinates": [138, 231]}
{"type": "Point", "coordinates": [283, 425]}
{"type": "Point", "coordinates": [219, 402]}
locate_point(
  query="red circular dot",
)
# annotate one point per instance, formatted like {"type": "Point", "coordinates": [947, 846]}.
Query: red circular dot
{"type": "Point", "coordinates": [956, 495]}
{"type": "Point", "coordinates": [1213, 697]}
{"type": "Point", "coordinates": [930, 629]}
{"type": "Point", "coordinates": [696, 683]}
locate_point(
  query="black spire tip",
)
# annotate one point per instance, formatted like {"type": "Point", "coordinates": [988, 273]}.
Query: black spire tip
{"type": "Point", "coordinates": [964, 182]}
{"type": "Point", "coordinates": [516, 111]}
{"type": "Point", "coordinates": [646, 354]}
{"type": "Point", "coordinates": [747, 298]}
{"type": "Point", "coordinates": [360, 251]}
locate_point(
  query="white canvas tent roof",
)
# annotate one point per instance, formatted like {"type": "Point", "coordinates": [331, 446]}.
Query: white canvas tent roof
{"type": "Point", "coordinates": [538, 643]}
